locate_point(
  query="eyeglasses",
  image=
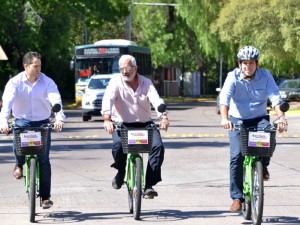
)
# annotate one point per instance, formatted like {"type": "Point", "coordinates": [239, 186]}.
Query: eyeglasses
{"type": "Point", "coordinates": [127, 69]}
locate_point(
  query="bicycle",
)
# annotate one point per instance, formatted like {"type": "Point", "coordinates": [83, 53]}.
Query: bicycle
{"type": "Point", "coordinates": [136, 141]}
{"type": "Point", "coordinates": [255, 144]}
{"type": "Point", "coordinates": [31, 142]}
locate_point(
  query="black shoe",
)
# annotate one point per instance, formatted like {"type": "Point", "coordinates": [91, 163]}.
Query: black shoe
{"type": "Point", "coordinates": [266, 174]}
{"type": "Point", "coordinates": [150, 193]}
{"type": "Point", "coordinates": [118, 180]}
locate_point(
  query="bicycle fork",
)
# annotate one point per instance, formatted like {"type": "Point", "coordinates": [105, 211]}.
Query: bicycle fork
{"type": "Point", "coordinates": [247, 167]}
{"type": "Point", "coordinates": [129, 175]}
{"type": "Point", "coordinates": [27, 174]}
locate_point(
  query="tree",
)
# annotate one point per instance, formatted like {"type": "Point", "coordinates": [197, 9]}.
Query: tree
{"type": "Point", "coordinates": [270, 25]}
{"type": "Point", "coordinates": [54, 27]}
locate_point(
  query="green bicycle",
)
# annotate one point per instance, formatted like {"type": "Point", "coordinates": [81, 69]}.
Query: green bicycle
{"type": "Point", "coordinates": [255, 144]}
{"type": "Point", "coordinates": [136, 141]}
{"type": "Point", "coordinates": [31, 142]}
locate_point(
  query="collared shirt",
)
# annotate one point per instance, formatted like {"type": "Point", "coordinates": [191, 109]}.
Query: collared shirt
{"type": "Point", "coordinates": [125, 105]}
{"type": "Point", "coordinates": [30, 101]}
{"type": "Point", "coordinates": [248, 99]}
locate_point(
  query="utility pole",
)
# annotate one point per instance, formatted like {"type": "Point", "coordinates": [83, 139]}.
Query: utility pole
{"type": "Point", "coordinates": [85, 32]}
{"type": "Point", "coordinates": [221, 64]}
{"type": "Point", "coordinates": [128, 23]}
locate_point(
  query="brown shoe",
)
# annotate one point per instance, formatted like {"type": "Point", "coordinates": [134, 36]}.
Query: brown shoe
{"type": "Point", "coordinates": [18, 172]}
{"type": "Point", "coordinates": [266, 174]}
{"type": "Point", "coordinates": [47, 203]}
{"type": "Point", "coordinates": [236, 206]}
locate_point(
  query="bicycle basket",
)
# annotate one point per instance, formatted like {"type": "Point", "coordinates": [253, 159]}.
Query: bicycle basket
{"type": "Point", "coordinates": [258, 143]}
{"type": "Point", "coordinates": [31, 140]}
{"type": "Point", "coordinates": [137, 140]}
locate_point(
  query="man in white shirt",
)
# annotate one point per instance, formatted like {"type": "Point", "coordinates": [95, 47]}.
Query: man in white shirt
{"type": "Point", "coordinates": [127, 99]}
{"type": "Point", "coordinates": [29, 95]}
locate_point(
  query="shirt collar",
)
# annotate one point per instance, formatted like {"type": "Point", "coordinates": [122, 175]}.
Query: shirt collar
{"type": "Point", "coordinates": [24, 78]}
{"type": "Point", "coordinates": [242, 77]}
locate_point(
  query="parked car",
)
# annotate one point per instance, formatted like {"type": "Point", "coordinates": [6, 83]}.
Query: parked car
{"type": "Point", "coordinates": [92, 98]}
{"type": "Point", "coordinates": [290, 90]}
{"type": "Point", "coordinates": [278, 81]}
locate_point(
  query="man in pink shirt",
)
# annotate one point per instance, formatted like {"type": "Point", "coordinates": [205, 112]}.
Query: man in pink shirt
{"type": "Point", "coordinates": [128, 98]}
{"type": "Point", "coordinates": [29, 95]}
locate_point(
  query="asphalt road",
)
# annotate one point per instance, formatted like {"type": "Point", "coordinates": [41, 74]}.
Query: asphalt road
{"type": "Point", "coordinates": [195, 186]}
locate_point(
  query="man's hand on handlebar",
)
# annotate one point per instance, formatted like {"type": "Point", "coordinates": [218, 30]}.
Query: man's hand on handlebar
{"type": "Point", "coordinates": [4, 129]}
{"type": "Point", "coordinates": [108, 126]}
{"type": "Point", "coordinates": [164, 124]}
{"type": "Point", "coordinates": [58, 126]}
{"type": "Point", "coordinates": [282, 125]}
{"type": "Point", "coordinates": [226, 124]}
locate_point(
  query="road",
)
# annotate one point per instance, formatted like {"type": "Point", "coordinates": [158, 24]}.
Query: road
{"type": "Point", "coordinates": [195, 186]}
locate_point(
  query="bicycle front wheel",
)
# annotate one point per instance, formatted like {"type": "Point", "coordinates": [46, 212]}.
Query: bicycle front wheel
{"type": "Point", "coordinates": [32, 189]}
{"type": "Point", "coordinates": [137, 189]}
{"type": "Point", "coordinates": [257, 200]}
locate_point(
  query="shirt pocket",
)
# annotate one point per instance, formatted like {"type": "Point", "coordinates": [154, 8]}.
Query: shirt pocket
{"type": "Point", "coordinates": [260, 94]}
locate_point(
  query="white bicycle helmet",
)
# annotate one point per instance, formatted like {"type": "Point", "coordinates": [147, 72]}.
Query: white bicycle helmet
{"type": "Point", "coordinates": [248, 53]}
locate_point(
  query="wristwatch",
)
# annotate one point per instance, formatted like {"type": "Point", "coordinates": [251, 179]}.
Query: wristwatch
{"type": "Point", "coordinates": [164, 117]}
{"type": "Point", "coordinates": [282, 117]}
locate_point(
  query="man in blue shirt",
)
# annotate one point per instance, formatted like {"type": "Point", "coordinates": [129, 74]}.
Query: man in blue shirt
{"type": "Point", "coordinates": [244, 98]}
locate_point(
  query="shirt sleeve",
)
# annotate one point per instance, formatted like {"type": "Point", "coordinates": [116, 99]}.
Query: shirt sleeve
{"type": "Point", "coordinates": [154, 97]}
{"type": "Point", "coordinates": [109, 97]}
{"type": "Point", "coordinates": [55, 98]}
{"type": "Point", "coordinates": [227, 89]}
{"type": "Point", "coordinates": [273, 91]}
{"type": "Point", "coordinates": [8, 100]}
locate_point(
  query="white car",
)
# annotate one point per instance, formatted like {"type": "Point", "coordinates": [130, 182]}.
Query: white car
{"type": "Point", "coordinates": [92, 98]}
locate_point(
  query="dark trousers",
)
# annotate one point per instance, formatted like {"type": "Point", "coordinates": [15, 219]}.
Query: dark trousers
{"type": "Point", "coordinates": [236, 158]}
{"type": "Point", "coordinates": [155, 160]}
{"type": "Point", "coordinates": [45, 166]}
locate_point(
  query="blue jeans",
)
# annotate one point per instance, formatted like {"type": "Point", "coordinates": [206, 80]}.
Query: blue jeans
{"type": "Point", "coordinates": [155, 160]}
{"type": "Point", "coordinates": [45, 166]}
{"type": "Point", "coordinates": [236, 158]}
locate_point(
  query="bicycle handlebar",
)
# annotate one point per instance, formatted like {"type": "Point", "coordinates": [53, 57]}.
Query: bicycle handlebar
{"type": "Point", "coordinates": [284, 107]}
{"type": "Point", "coordinates": [14, 126]}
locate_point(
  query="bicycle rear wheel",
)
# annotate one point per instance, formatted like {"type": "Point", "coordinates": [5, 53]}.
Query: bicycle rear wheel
{"type": "Point", "coordinates": [246, 207]}
{"type": "Point", "coordinates": [32, 189]}
{"type": "Point", "coordinates": [137, 189]}
{"type": "Point", "coordinates": [257, 200]}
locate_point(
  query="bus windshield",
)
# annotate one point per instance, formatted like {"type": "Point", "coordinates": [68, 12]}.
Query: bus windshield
{"type": "Point", "coordinates": [91, 66]}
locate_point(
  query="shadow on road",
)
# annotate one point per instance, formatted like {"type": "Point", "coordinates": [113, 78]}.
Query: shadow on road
{"type": "Point", "coordinates": [160, 215]}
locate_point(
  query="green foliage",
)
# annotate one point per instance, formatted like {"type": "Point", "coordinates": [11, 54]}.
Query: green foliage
{"type": "Point", "coordinates": [270, 25]}
{"type": "Point", "coordinates": [53, 28]}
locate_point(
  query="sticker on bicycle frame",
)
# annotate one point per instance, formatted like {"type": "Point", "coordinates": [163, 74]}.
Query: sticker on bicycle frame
{"type": "Point", "coordinates": [259, 139]}
{"type": "Point", "coordinates": [137, 137]}
{"type": "Point", "coordinates": [31, 139]}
